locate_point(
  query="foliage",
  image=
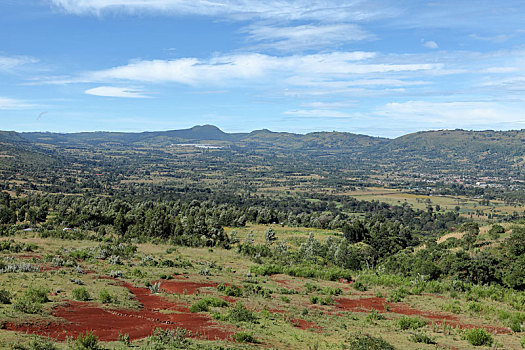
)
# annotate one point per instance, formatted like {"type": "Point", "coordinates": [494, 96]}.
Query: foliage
{"type": "Point", "coordinates": [231, 290]}
{"type": "Point", "coordinates": [406, 322]}
{"type": "Point", "coordinates": [478, 337]}
{"type": "Point", "coordinates": [105, 297]}
{"type": "Point", "coordinates": [368, 342]}
{"type": "Point", "coordinates": [243, 337]}
{"type": "Point", "coordinates": [81, 294]}
{"type": "Point", "coordinates": [87, 341]}
{"type": "Point", "coordinates": [5, 296]}
{"type": "Point", "coordinates": [422, 338]}
{"type": "Point", "coordinates": [204, 305]}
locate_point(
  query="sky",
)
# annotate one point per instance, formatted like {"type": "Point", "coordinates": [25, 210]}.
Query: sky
{"type": "Point", "coordinates": [382, 68]}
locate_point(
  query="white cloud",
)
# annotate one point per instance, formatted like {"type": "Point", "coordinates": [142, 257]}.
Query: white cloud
{"type": "Point", "coordinates": [498, 39]}
{"type": "Point", "coordinates": [431, 45]}
{"type": "Point", "coordinates": [319, 113]}
{"type": "Point", "coordinates": [335, 10]}
{"type": "Point", "coordinates": [11, 62]}
{"type": "Point", "coordinates": [255, 68]}
{"type": "Point", "coordinates": [113, 91]}
{"type": "Point", "coordinates": [11, 104]}
{"type": "Point", "coordinates": [501, 70]}
{"type": "Point", "coordinates": [302, 37]}
{"type": "Point", "coordinates": [452, 114]}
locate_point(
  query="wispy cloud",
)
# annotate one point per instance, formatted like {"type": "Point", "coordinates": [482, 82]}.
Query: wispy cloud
{"type": "Point", "coordinates": [113, 91]}
{"type": "Point", "coordinates": [303, 37]}
{"type": "Point", "coordinates": [11, 62]}
{"type": "Point", "coordinates": [452, 114]}
{"type": "Point", "coordinates": [498, 39]}
{"type": "Point", "coordinates": [7, 103]}
{"type": "Point", "coordinates": [335, 10]}
{"type": "Point", "coordinates": [319, 113]}
{"type": "Point", "coordinates": [430, 45]}
{"type": "Point", "coordinates": [221, 70]}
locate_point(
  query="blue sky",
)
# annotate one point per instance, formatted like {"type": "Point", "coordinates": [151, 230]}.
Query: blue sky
{"type": "Point", "coordinates": [382, 68]}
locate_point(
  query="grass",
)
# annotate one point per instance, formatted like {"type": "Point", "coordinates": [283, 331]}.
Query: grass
{"type": "Point", "coordinates": [274, 328]}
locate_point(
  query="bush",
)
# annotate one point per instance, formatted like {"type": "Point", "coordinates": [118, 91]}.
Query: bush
{"type": "Point", "coordinates": [36, 343]}
{"type": "Point", "coordinates": [357, 285]}
{"type": "Point", "coordinates": [87, 341]}
{"type": "Point", "coordinates": [368, 342]}
{"type": "Point", "coordinates": [81, 294]}
{"type": "Point", "coordinates": [31, 301]}
{"type": "Point", "coordinates": [406, 322]}
{"type": "Point", "coordinates": [27, 306]}
{"type": "Point", "coordinates": [478, 337]}
{"type": "Point", "coordinates": [398, 295]}
{"type": "Point", "coordinates": [331, 291]}
{"type": "Point", "coordinates": [422, 338]}
{"type": "Point", "coordinates": [167, 339]}
{"type": "Point", "coordinates": [232, 291]}
{"type": "Point", "coordinates": [239, 313]}
{"type": "Point", "coordinates": [243, 337]}
{"type": "Point", "coordinates": [105, 297]}
{"type": "Point", "coordinates": [37, 294]}
{"type": "Point", "coordinates": [203, 305]}
{"type": "Point", "coordinates": [374, 316]}
{"type": "Point", "coordinates": [5, 296]}
{"type": "Point", "coordinates": [328, 300]}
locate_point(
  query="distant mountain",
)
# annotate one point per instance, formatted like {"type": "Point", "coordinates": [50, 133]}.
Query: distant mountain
{"type": "Point", "coordinates": [499, 152]}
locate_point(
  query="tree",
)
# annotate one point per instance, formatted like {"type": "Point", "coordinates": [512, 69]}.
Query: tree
{"type": "Point", "coordinates": [270, 236]}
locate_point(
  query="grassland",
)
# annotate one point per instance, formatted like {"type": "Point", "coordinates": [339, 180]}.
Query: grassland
{"type": "Point", "coordinates": [289, 312]}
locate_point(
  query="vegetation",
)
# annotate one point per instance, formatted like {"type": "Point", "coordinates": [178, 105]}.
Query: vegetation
{"type": "Point", "coordinates": [270, 240]}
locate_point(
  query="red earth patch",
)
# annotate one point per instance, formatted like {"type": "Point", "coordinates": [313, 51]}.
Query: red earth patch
{"type": "Point", "coordinates": [378, 304]}
{"type": "Point", "coordinates": [107, 324]}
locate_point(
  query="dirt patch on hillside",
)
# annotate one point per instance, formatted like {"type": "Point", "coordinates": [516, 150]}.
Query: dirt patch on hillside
{"type": "Point", "coordinates": [303, 324]}
{"type": "Point", "coordinates": [378, 304]}
{"type": "Point", "coordinates": [183, 287]}
{"type": "Point", "coordinates": [107, 324]}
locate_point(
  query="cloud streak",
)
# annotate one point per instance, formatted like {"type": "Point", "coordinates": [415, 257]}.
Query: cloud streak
{"type": "Point", "coordinates": [113, 91]}
{"type": "Point", "coordinates": [304, 37]}
{"type": "Point", "coordinates": [335, 10]}
{"type": "Point", "coordinates": [7, 103]}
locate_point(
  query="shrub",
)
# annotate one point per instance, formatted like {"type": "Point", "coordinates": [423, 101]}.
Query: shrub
{"type": "Point", "coordinates": [31, 301]}
{"type": "Point", "coordinates": [243, 337]}
{"type": "Point", "coordinates": [105, 297]}
{"type": "Point", "coordinates": [87, 341]}
{"type": "Point", "coordinates": [36, 343]}
{"type": "Point", "coordinates": [357, 285]}
{"type": "Point", "coordinates": [331, 291]}
{"type": "Point", "coordinates": [203, 305]}
{"type": "Point", "coordinates": [154, 288]}
{"type": "Point", "coordinates": [398, 295]}
{"type": "Point", "coordinates": [368, 342]}
{"type": "Point", "coordinates": [422, 338]}
{"type": "Point", "coordinates": [167, 339]}
{"type": "Point", "coordinates": [232, 291]}
{"type": "Point", "coordinates": [374, 316]}
{"type": "Point", "coordinates": [124, 338]}
{"type": "Point", "coordinates": [81, 294]}
{"type": "Point", "coordinates": [406, 322]}
{"type": "Point", "coordinates": [5, 296]}
{"type": "Point", "coordinates": [27, 306]}
{"type": "Point", "coordinates": [478, 337]}
{"type": "Point", "coordinates": [328, 300]}
{"type": "Point", "coordinates": [239, 313]}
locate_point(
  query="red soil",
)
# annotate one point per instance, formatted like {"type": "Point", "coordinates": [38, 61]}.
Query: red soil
{"type": "Point", "coordinates": [378, 304]}
{"type": "Point", "coordinates": [183, 287]}
{"type": "Point", "coordinates": [303, 324]}
{"type": "Point", "coordinates": [108, 324]}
